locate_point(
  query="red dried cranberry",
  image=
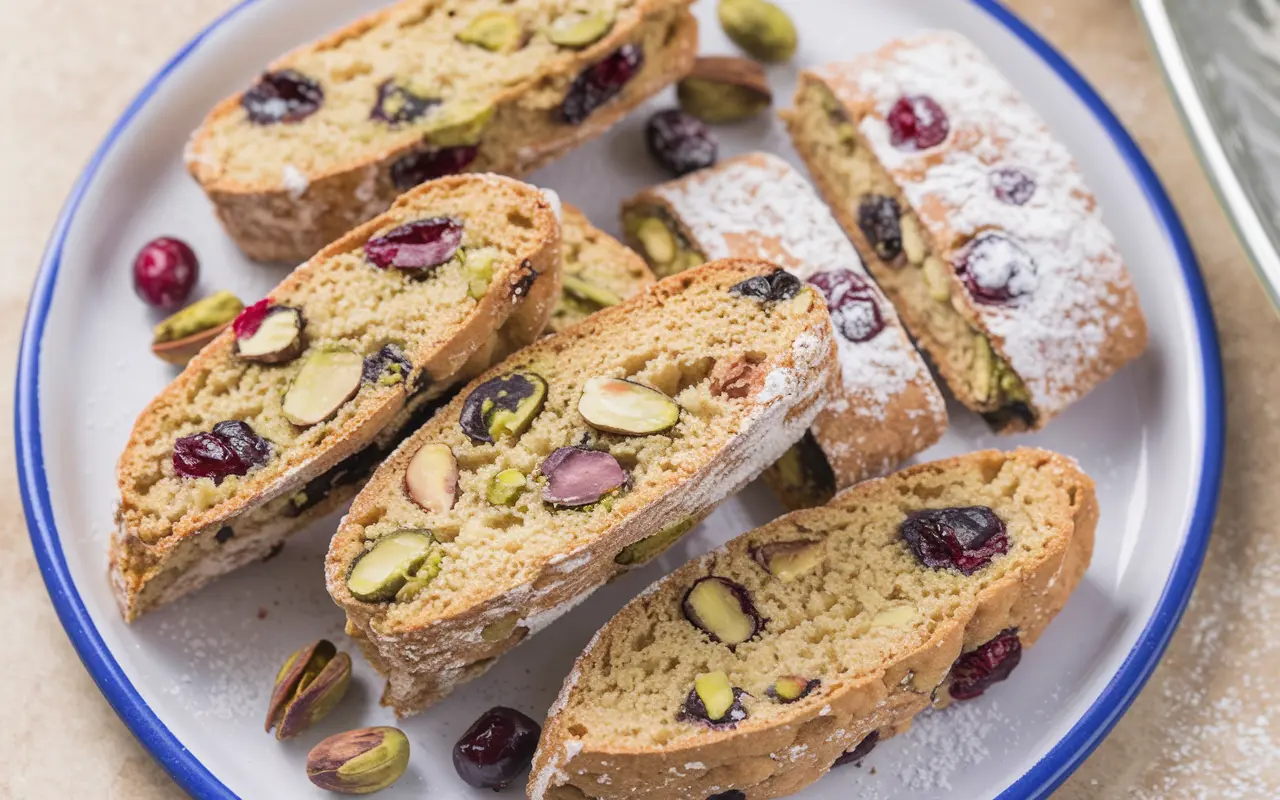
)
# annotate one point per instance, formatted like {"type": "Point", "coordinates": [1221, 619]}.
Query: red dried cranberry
{"type": "Point", "coordinates": [917, 122]}
{"type": "Point", "coordinates": [206, 455]}
{"type": "Point", "coordinates": [396, 104]}
{"type": "Point", "coordinates": [878, 218]}
{"type": "Point", "coordinates": [1012, 185]}
{"type": "Point", "coordinates": [852, 301]}
{"type": "Point", "coordinates": [963, 538]}
{"type": "Point", "coordinates": [732, 794]}
{"type": "Point", "coordinates": [771, 288]}
{"type": "Point", "coordinates": [496, 749]}
{"type": "Point", "coordinates": [421, 166]}
{"type": "Point", "coordinates": [164, 272]}
{"type": "Point", "coordinates": [996, 268]}
{"type": "Point", "coordinates": [284, 96]}
{"type": "Point", "coordinates": [680, 142]}
{"type": "Point", "coordinates": [860, 751]}
{"type": "Point", "coordinates": [388, 360]}
{"type": "Point", "coordinates": [421, 244]}
{"type": "Point", "coordinates": [248, 321]}
{"type": "Point", "coordinates": [240, 437]}
{"type": "Point", "coordinates": [600, 83]}
{"type": "Point", "coordinates": [974, 672]}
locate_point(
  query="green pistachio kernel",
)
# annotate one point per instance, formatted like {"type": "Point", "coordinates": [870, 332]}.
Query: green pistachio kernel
{"type": "Point", "coordinates": [380, 572]}
{"type": "Point", "coordinates": [589, 292]}
{"type": "Point", "coordinates": [211, 312]}
{"type": "Point", "coordinates": [651, 547]}
{"type": "Point", "coordinates": [479, 266]}
{"type": "Point", "coordinates": [505, 487]}
{"type": "Point", "coordinates": [580, 28]}
{"type": "Point", "coordinates": [495, 31]}
{"type": "Point", "coordinates": [459, 123]}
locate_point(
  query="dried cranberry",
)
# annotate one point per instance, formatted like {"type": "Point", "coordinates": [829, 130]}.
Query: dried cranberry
{"type": "Point", "coordinates": [996, 268]}
{"type": "Point", "coordinates": [860, 751]}
{"type": "Point", "coordinates": [680, 142]}
{"type": "Point", "coordinates": [284, 96]}
{"type": "Point", "coordinates": [421, 244]}
{"type": "Point", "coordinates": [974, 672]}
{"type": "Point", "coordinates": [164, 272]}
{"type": "Point", "coordinates": [917, 122]}
{"type": "Point", "coordinates": [732, 794]}
{"type": "Point", "coordinates": [421, 166]}
{"type": "Point", "coordinates": [852, 301]}
{"type": "Point", "coordinates": [248, 321]}
{"type": "Point", "coordinates": [695, 710]}
{"type": "Point", "coordinates": [964, 538]}
{"type": "Point", "coordinates": [777, 285]}
{"type": "Point", "coordinates": [600, 83]}
{"type": "Point", "coordinates": [240, 437]}
{"type": "Point", "coordinates": [1012, 185]}
{"type": "Point", "coordinates": [206, 455]}
{"type": "Point", "coordinates": [496, 749]}
{"type": "Point", "coordinates": [388, 360]}
{"type": "Point", "coordinates": [878, 218]}
{"type": "Point", "coordinates": [396, 104]}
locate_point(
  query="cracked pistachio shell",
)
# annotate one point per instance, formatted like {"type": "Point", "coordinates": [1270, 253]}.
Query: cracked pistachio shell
{"type": "Point", "coordinates": [309, 685]}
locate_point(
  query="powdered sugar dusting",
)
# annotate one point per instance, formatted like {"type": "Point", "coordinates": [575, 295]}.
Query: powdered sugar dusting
{"type": "Point", "coordinates": [1075, 299]}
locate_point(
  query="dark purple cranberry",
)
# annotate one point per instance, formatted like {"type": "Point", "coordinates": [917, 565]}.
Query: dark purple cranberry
{"type": "Point", "coordinates": [722, 609]}
{"type": "Point", "coordinates": [396, 104]}
{"type": "Point", "coordinates": [164, 272]}
{"type": "Point", "coordinates": [600, 83]}
{"type": "Point", "coordinates": [496, 749]}
{"type": "Point", "coordinates": [852, 301]}
{"type": "Point", "coordinates": [1012, 185]}
{"type": "Point", "coordinates": [732, 794]}
{"type": "Point", "coordinates": [390, 361]}
{"type": "Point", "coordinates": [996, 269]}
{"type": "Point", "coordinates": [974, 672]}
{"type": "Point", "coordinates": [206, 455]}
{"type": "Point", "coordinates": [248, 321]}
{"type": "Point", "coordinates": [777, 285]}
{"type": "Point", "coordinates": [680, 142]}
{"type": "Point", "coordinates": [694, 710]}
{"type": "Point", "coordinates": [860, 751]}
{"type": "Point", "coordinates": [421, 244]}
{"type": "Point", "coordinates": [284, 96]}
{"type": "Point", "coordinates": [240, 437]}
{"type": "Point", "coordinates": [917, 122]}
{"type": "Point", "coordinates": [962, 538]}
{"type": "Point", "coordinates": [878, 218]}
{"type": "Point", "coordinates": [225, 534]}
{"type": "Point", "coordinates": [421, 166]}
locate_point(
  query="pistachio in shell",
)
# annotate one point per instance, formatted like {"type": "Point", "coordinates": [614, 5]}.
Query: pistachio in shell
{"type": "Point", "coordinates": [309, 685]}
{"type": "Point", "coordinates": [724, 89]}
{"type": "Point", "coordinates": [179, 337]}
{"type": "Point", "coordinates": [384, 569]}
{"type": "Point", "coordinates": [495, 31]}
{"type": "Point", "coordinates": [759, 27]}
{"type": "Point", "coordinates": [503, 406]}
{"type": "Point", "coordinates": [362, 761]}
{"type": "Point", "coordinates": [579, 29]}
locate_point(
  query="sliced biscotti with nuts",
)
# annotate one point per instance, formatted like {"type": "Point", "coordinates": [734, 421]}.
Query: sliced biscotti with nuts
{"type": "Point", "coordinates": [332, 132]}
{"type": "Point", "coordinates": [751, 671]}
{"type": "Point", "coordinates": [599, 271]}
{"type": "Point", "coordinates": [280, 418]}
{"type": "Point", "coordinates": [581, 455]}
{"type": "Point", "coordinates": [886, 406]}
{"type": "Point", "coordinates": [975, 221]}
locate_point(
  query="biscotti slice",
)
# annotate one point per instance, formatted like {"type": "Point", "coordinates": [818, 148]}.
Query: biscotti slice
{"type": "Point", "coordinates": [329, 135]}
{"type": "Point", "coordinates": [580, 456]}
{"type": "Point", "coordinates": [751, 671]}
{"type": "Point", "coordinates": [599, 271]}
{"type": "Point", "coordinates": [886, 406]}
{"type": "Point", "coordinates": [278, 420]}
{"type": "Point", "coordinates": [975, 221]}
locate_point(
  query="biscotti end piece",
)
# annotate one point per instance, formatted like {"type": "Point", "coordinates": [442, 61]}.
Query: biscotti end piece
{"type": "Point", "coordinates": [583, 455]}
{"type": "Point", "coordinates": [975, 221]}
{"type": "Point", "coordinates": [599, 271]}
{"type": "Point", "coordinates": [280, 419]}
{"type": "Point", "coordinates": [886, 406]}
{"type": "Point", "coordinates": [331, 133]}
{"type": "Point", "coordinates": [757, 666]}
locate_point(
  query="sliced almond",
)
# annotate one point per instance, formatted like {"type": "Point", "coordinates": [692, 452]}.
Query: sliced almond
{"type": "Point", "coordinates": [432, 478]}
{"type": "Point", "coordinates": [328, 379]}
{"type": "Point", "coordinates": [618, 406]}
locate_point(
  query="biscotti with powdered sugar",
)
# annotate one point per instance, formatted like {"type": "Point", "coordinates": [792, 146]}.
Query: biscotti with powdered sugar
{"type": "Point", "coordinates": [578, 457]}
{"type": "Point", "coordinates": [279, 419]}
{"type": "Point", "coordinates": [753, 670]}
{"type": "Point", "coordinates": [886, 406]}
{"type": "Point", "coordinates": [975, 221]}
{"type": "Point", "coordinates": [599, 271]}
{"type": "Point", "coordinates": [329, 135]}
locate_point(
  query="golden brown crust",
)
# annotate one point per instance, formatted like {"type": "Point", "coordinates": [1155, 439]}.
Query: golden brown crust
{"type": "Point", "coordinates": [788, 750]}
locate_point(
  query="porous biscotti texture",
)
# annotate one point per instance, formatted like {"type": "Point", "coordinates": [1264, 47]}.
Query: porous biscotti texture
{"type": "Point", "coordinates": [748, 375]}
{"type": "Point", "coordinates": [879, 630]}
{"type": "Point", "coordinates": [599, 271]}
{"type": "Point", "coordinates": [1075, 319]}
{"type": "Point", "coordinates": [174, 533]}
{"type": "Point", "coordinates": [285, 190]}
{"type": "Point", "coordinates": [886, 406]}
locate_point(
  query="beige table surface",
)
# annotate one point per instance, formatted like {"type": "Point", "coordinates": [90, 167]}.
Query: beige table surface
{"type": "Point", "coordinates": [1201, 728]}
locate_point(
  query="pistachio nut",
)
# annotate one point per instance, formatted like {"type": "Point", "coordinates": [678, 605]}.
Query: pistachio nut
{"type": "Point", "coordinates": [912, 239]}
{"type": "Point", "coordinates": [421, 577]}
{"type": "Point", "coordinates": [657, 242]}
{"type": "Point", "coordinates": [505, 487]}
{"type": "Point", "coordinates": [459, 123]}
{"type": "Point", "coordinates": [384, 569]}
{"type": "Point", "coordinates": [724, 89]}
{"type": "Point", "coordinates": [588, 292]}
{"type": "Point", "coordinates": [501, 628]}
{"type": "Point", "coordinates": [360, 761]}
{"type": "Point", "coordinates": [982, 369]}
{"type": "Point", "coordinates": [580, 29]}
{"type": "Point", "coordinates": [651, 547]}
{"type": "Point", "coordinates": [759, 27]}
{"type": "Point", "coordinates": [479, 266]}
{"type": "Point", "coordinates": [937, 277]}
{"type": "Point", "coordinates": [307, 687]}
{"type": "Point", "coordinates": [495, 31]}
{"type": "Point", "coordinates": [327, 380]}
{"type": "Point", "coordinates": [181, 336]}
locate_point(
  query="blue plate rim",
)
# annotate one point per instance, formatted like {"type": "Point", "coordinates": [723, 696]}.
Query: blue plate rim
{"type": "Point", "coordinates": [1039, 782]}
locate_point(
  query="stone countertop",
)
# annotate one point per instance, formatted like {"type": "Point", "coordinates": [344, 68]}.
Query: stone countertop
{"type": "Point", "coordinates": [1200, 728]}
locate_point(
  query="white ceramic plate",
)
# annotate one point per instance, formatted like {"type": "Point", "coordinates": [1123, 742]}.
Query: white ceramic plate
{"type": "Point", "coordinates": [192, 680]}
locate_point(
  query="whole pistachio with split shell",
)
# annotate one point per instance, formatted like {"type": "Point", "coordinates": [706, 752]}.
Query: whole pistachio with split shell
{"type": "Point", "coordinates": [724, 89]}
{"type": "Point", "coordinates": [362, 761]}
{"type": "Point", "coordinates": [309, 685]}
